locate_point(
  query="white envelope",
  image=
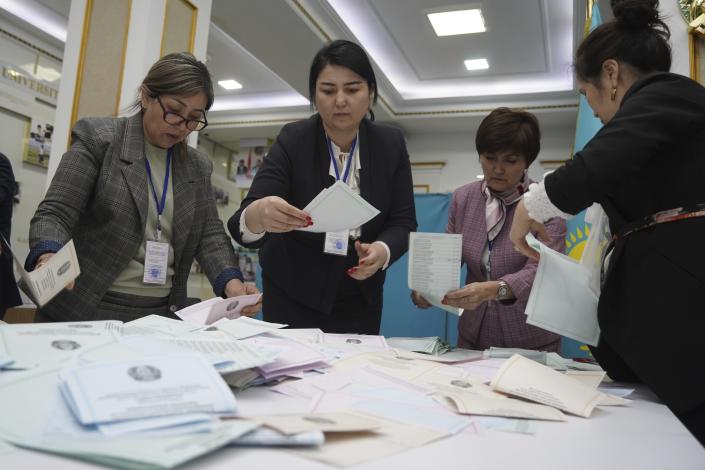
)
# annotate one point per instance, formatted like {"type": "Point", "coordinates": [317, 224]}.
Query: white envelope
{"type": "Point", "coordinates": [211, 310]}
{"type": "Point", "coordinates": [561, 300]}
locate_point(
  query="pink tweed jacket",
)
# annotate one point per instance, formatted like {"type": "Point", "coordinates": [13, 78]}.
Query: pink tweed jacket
{"type": "Point", "coordinates": [494, 323]}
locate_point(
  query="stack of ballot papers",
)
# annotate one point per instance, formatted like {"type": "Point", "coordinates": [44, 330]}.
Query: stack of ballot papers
{"type": "Point", "coordinates": [428, 345]}
{"type": "Point", "coordinates": [293, 359]}
{"type": "Point", "coordinates": [211, 310]}
{"type": "Point", "coordinates": [434, 266]}
{"type": "Point", "coordinates": [338, 208]}
{"type": "Point", "coordinates": [157, 386]}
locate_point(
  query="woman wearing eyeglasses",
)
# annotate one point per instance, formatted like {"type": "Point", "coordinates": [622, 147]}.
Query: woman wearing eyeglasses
{"type": "Point", "coordinates": [138, 204]}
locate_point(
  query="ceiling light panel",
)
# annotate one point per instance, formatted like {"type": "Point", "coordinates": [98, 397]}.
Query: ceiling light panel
{"type": "Point", "coordinates": [453, 23]}
{"type": "Point", "coordinates": [230, 84]}
{"type": "Point", "coordinates": [477, 64]}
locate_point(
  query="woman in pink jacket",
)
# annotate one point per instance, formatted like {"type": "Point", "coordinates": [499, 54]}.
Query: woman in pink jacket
{"type": "Point", "coordinates": [499, 278]}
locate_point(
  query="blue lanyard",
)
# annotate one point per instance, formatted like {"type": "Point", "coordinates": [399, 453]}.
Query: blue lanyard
{"type": "Point", "coordinates": [160, 206]}
{"type": "Point", "coordinates": [351, 156]}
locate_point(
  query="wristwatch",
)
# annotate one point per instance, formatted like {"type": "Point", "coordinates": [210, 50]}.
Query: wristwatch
{"type": "Point", "coordinates": [503, 291]}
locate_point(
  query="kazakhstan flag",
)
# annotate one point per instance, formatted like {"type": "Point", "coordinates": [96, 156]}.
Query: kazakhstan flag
{"type": "Point", "coordinates": [587, 127]}
{"type": "Point", "coordinates": [577, 229]}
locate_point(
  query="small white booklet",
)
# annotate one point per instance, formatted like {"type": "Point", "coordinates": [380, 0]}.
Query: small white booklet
{"type": "Point", "coordinates": [44, 283]}
{"type": "Point", "coordinates": [434, 266]}
{"type": "Point", "coordinates": [530, 380]}
{"type": "Point", "coordinates": [110, 391]}
{"type": "Point", "coordinates": [561, 299]}
{"type": "Point", "coordinates": [338, 208]}
{"type": "Point", "coordinates": [211, 310]}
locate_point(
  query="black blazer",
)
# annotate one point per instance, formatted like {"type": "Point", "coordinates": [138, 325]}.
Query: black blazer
{"type": "Point", "coordinates": [9, 295]}
{"type": "Point", "coordinates": [296, 169]}
{"type": "Point", "coordinates": [650, 157]}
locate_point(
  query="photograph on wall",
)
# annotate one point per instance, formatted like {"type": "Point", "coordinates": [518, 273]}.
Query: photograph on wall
{"type": "Point", "coordinates": [243, 165]}
{"type": "Point", "coordinates": [248, 261]}
{"type": "Point", "coordinates": [38, 145]}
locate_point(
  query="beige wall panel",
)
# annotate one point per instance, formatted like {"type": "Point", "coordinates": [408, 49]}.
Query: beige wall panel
{"type": "Point", "coordinates": [102, 58]}
{"type": "Point", "coordinates": [179, 26]}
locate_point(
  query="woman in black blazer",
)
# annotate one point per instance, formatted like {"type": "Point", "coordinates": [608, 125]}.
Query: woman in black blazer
{"type": "Point", "coordinates": [304, 286]}
{"type": "Point", "coordinates": [645, 167]}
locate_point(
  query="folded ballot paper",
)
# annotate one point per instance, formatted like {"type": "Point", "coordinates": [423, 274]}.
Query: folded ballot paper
{"type": "Point", "coordinates": [434, 266]}
{"type": "Point", "coordinates": [211, 310]}
{"type": "Point", "coordinates": [561, 298]}
{"type": "Point", "coordinates": [338, 208]}
{"type": "Point", "coordinates": [106, 392]}
{"type": "Point", "coordinates": [44, 283]}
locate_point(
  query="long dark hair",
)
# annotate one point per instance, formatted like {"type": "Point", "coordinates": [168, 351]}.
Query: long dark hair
{"type": "Point", "coordinates": [345, 54]}
{"type": "Point", "coordinates": [637, 36]}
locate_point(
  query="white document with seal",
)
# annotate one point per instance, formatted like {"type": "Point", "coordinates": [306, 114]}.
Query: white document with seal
{"type": "Point", "coordinates": [104, 392]}
{"type": "Point", "coordinates": [561, 300]}
{"type": "Point", "coordinates": [338, 208]}
{"type": "Point", "coordinates": [211, 310]}
{"type": "Point", "coordinates": [434, 266]}
{"type": "Point", "coordinates": [44, 283]}
{"type": "Point", "coordinates": [32, 344]}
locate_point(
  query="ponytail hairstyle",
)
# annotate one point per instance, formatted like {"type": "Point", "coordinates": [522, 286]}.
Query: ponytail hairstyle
{"type": "Point", "coordinates": [637, 37]}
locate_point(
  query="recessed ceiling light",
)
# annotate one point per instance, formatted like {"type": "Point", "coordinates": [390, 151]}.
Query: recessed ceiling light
{"type": "Point", "coordinates": [451, 23]}
{"type": "Point", "coordinates": [480, 177]}
{"type": "Point", "coordinates": [230, 84]}
{"type": "Point", "coordinates": [476, 64]}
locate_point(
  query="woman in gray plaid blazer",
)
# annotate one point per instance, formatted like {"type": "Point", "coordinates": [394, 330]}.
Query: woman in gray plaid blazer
{"type": "Point", "coordinates": [138, 204]}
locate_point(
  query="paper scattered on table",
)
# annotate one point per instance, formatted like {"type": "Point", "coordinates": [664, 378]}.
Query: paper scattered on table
{"type": "Point", "coordinates": [324, 422]}
{"type": "Point", "coordinates": [245, 327]}
{"type": "Point", "coordinates": [434, 266]}
{"type": "Point", "coordinates": [561, 300]}
{"type": "Point", "coordinates": [530, 380]}
{"type": "Point", "coordinates": [466, 403]}
{"type": "Point", "coordinates": [338, 208]}
{"type": "Point", "coordinates": [270, 438]}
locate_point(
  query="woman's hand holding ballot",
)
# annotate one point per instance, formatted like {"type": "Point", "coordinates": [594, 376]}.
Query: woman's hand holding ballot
{"type": "Point", "coordinates": [522, 224]}
{"type": "Point", "coordinates": [274, 214]}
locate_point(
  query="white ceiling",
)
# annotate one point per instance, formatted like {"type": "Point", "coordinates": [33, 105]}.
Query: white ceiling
{"type": "Point", "coordinates": [267, 46]}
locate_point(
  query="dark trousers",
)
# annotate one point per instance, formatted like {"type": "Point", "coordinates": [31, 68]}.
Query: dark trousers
{"type": "Point", "coordinates": [351, 313]}
{"type": "Point", "coordinates": [123, 307]}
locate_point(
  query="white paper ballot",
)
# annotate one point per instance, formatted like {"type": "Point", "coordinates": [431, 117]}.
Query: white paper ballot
{"type": "Point", "coordinates": [338, 208]}
{"type": "Point", "coordinates": [271, 438]}
{"type": "Point", "coordinates": [211, 310]}
{"type": "Point", "coordinates": [434, 266]}
{"type": "Point", "coordinates": [44, 283]}
{"type": "Point", "coordinates": [244, 327]}
{"type": "Point", "coordinates": [31, 344]}
{"type": "Point", "coordinates": [561, 300]}
{"type": "Point", "coordinates": [146, 387]}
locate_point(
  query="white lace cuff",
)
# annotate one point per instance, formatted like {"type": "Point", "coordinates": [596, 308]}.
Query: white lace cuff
{"type": "Point", "coordinates": [248, 236]}
{"type": "Point", "coordinates": [539, 205]}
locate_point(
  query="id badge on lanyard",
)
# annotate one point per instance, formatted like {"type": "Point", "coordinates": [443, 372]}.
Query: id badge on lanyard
{"type": "Point", "coordinates": [336, 243]}
{"type": "Point", "coordinates": [156, 257]}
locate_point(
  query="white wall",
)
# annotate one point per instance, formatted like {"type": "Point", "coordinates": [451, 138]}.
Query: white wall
{"type": "Point", "coordinates": [462, 161]}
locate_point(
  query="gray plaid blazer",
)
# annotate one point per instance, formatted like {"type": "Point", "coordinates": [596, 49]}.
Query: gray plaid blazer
{"type": "Point", "coordinates": [99, 197]}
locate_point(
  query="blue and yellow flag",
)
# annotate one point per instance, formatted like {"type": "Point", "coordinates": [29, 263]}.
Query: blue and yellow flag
{"type": "Point", "coordinates": [577, 229]}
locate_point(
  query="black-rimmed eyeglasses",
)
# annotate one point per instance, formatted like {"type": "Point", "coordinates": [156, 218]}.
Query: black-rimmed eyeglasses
{"type": "Point", "coordinates": [175, 119]}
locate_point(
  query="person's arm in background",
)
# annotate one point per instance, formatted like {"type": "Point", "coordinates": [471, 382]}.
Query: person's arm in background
{"type": "Point", "coordinates": [400, 222]}
{"type": "Point", "coordinates": [265, 209]}
{"type": "Point", "coordinates": [7, 192]}
{"type": "Point", "coordinates": [70, 192]}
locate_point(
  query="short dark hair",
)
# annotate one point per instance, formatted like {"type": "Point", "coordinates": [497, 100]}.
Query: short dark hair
{"type": "Point", "coordinates": [179, 74]}
{"type": "Point", "coordinates": [637, 37]}
{"type": "Point", "coordinates": [345, 54]}
{"type": "Point", "coordinates": [506, 129]}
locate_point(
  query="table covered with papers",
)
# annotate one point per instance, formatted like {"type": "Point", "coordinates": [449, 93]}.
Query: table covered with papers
{"type": "Point", "coordinates": [161, 393]}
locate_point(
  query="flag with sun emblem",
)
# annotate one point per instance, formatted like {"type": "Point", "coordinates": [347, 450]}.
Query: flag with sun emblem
{"type": "Point", "coordinates": [577, 229]}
